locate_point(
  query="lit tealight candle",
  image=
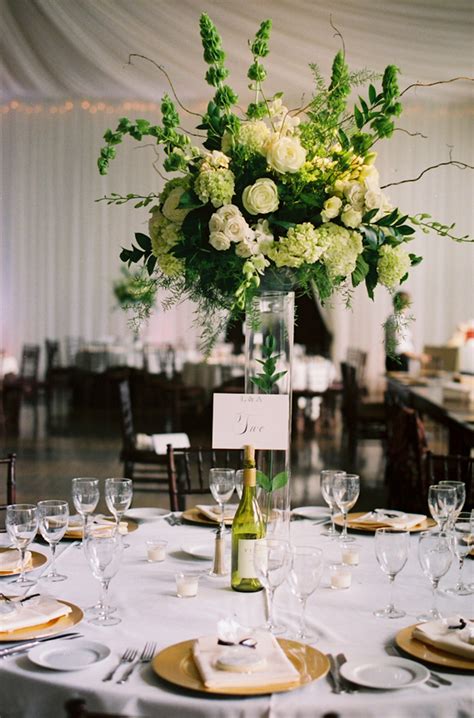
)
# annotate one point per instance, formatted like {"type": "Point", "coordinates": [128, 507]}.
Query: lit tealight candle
{"type": "Point", "coordinates": [341, 576]}
{"type": "Point", "coordinates": [187, 585]}
{"type": "Point", "coordinates": [350, 554]}
{"type": "Point", "coordinates": [156, 551]}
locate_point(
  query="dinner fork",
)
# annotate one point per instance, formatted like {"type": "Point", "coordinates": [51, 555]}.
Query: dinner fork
{"type": "Point", "coordinates": [146, 656]}
{"type": "Point", "coordinates": [340, 660]}
{"type": "Point", "coordinates": [128, 656]}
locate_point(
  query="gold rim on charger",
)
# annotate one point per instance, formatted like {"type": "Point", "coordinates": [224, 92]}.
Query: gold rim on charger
{"type": "Point", "coordinates": [37, 560]}
{"type": "Point", "coordinates": [404, 640]}
{"type": "Point", "coordinates": [51, 628]}
{"type": "Point", "coordinates": [176, 665]}
{"type": "Point", "coordinates": [339, 521]}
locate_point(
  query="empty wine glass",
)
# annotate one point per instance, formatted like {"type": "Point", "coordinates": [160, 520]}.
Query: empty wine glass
{"type": "Point", "coordinates": [239, 482]}
{"type": "Point", "coordinates": [461, 538]}
{"type": "Point", "coordinates": [21, 523]}
{"type": "Point", "coordinates": [435, 557]}
{"type": "Point", "coordinates": [346, 488]}
{"type": "Point", "coordinates": [104, 551]}
{"type": "Point", "coordinates": [460, 489]}
{"type": "Point", "coordinates": [53, 517]}
{"type": "Point", "coordinates": [391, 551]}
{"type": "Point", "coordinates": [441, 503]}
{"type": "Point", "coordinates": [85, 496]}
{"type": "Point", "coordinates": [327, 485]}
{"type": "Point", "coordinates": [272, 559]}
{"type": "Point", "coordinates": [118, 497]}
{"type": "Point", "coordinates": [304, 577]}
{"type": "Point", "coordinates": [221, 485]}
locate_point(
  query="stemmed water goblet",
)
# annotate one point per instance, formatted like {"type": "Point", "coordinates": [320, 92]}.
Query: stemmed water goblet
{"type": "Point", "coordinates": [442, 504]}
{"type": "Point", "coordinates": [346, 488]}
{"type": "Point", "coordinates": [118, 497]}
{"type": "Point", "coordinates": [460, 489]}
{"type": "Point", "coordinates": [21, 523]}
{"type": "Point", "coordinates": [461, 539]}
{"type": "Point", "coordinates": [391, 551]}
{"type": "Point", "coordinates": [53, 518]}
{"type": "Point", "coordinates": [85, 496]}
{"type": "Point", "coordinates": [103, 550]}
{"type": "Point", "coordinates": [435, 557]}
{"type": "Point", "coordinates": [327, 486]}
{"type": "Point", "coordinates": [221, 485]}
{"type": "Point", "coordinates": [304, 577]}
{"type": "Point", "coordinates": [272, 559]}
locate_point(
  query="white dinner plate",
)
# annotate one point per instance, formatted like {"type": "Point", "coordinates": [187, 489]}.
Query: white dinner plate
{"type": "Point", "coordinates": [147, 513]}
{"type": "Point", "coordinates": [311, 512]}
{"type": "Point", "coordinates": [202, 551]}
{"type": "Point", "coordinates": [385, 673]}
{"type": "Point", "coordinates": [67, 655]}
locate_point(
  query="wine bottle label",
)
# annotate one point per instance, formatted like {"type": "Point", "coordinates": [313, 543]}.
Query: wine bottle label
{"type": "Point", "coordinates": [245, 562]}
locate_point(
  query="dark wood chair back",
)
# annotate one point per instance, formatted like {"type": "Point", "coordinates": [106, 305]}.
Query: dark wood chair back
{"type": "Point", "coordinates": [53, 355]}
{"type": "Point", "coordinates": [188, 471]}
{"type": "Point", "coordinates": [126, 413]}
{"type": "Point", "coordinates": [350, 394]}
{"type": "Point", "coordinates": [7, 467]}
{"type": "Point", "coordinates": [451, 467]}
{"type": "Point", "coordinates": [30, 357]}
{"type": "Point", "coordinates": [406, 452]}
{"type": "Point", "coordinates": [358, 359]}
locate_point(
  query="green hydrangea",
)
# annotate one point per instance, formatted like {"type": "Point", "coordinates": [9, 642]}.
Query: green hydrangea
{"type": "Point", "coordinates": [302, 245]}
{"type": "Point", "coordinates": [342, 247]}
{"type": "Point", "coordinates": [215, 186]}
{"type": "Point", "coordinates": [164, 236]}
{"type": "Point", "coordinates": [253, 136]}
{"type": "Point", "coordinates": [393, 264]}
{"type": "Point", "coordinates": [182, 182]}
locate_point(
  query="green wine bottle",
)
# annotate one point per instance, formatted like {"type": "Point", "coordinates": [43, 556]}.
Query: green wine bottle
{"type": "Point", "coordinates": [247, 527]}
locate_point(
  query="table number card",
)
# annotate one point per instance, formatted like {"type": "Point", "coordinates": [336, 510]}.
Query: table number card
{"type": "Point", "coordinates": [257, 419]}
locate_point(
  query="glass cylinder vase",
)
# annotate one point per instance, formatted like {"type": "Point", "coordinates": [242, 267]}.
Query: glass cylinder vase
{"type": "Point", "coordinates": [269, 330]}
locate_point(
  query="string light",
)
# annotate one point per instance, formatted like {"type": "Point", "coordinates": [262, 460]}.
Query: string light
{"type": "Point", "coordinates": [86, 105]}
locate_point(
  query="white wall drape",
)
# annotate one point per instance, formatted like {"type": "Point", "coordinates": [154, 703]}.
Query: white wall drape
{"type": "Point", "coordinates": [59, 248]}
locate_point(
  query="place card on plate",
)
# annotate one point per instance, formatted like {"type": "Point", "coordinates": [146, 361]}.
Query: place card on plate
{"type": "Point", "coordinates": [261, 420]}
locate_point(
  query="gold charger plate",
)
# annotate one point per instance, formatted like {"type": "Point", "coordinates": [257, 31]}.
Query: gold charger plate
{"type": "Point", "coordinates": [176, 665]}
{"type": "Point", "coordinates": [339, 521]}
{"type": "Point", "coordinates": [194, 516]}
{"type": "Point", "coordinates": [37, 560]}
{"type": "Point", "coordinates": [404, 640]}
{"type": "Point", "coordinates": [77, 533]}
{"type": "Point", "coordinates": [57, 625]}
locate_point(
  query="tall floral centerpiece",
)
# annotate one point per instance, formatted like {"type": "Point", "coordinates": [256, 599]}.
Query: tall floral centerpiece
{"type": "Point", "coordinates": [272, 197]}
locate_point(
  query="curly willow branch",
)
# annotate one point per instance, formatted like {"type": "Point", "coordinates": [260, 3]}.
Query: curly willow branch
{"type": "Point", "coordinates": [455, 163]}
{"type": "Point", "coordinates": [338, 33]}
{"type": "Point", "coordinates": [432, 84]}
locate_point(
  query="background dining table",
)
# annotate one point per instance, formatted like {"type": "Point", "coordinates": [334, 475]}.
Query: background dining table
{"type": "Point", "coordinates": [145, 594]}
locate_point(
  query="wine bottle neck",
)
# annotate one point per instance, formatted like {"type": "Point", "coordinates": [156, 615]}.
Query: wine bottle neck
{"type": "Point", "coordinates": [250, 477]}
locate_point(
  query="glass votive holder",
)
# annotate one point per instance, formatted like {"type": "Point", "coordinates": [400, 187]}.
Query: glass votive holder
{"type": "Point", "coordinates": [350, 554]}
{"type": "Point", "coordinates": [187, 584]}
{"type": "Point", "coordinates": [156, 550]}
{"type": "Point", "coordinates": [341, 576]}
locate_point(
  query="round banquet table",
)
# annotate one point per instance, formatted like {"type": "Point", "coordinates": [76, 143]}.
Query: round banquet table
{"type": "Point", "coordinates": [146, 597]}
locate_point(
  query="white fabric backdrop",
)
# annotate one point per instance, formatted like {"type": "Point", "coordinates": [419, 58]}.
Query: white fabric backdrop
{"type": "Point", "coordinates": [59, 251]}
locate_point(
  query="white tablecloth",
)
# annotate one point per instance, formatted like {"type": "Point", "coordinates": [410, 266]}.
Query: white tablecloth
{"type": "Point", "coordinates": [145, 595]}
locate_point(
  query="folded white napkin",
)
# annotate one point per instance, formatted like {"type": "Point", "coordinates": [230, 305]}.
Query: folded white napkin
{"type": "Point", "coordinates": [275, 668]}
{"type": "Point", "coordinates": [34, 613]}
{"type": "Point", "coordinates": [10, 560]}
{"type": "Point", "coordinates": [380, 520]}
{"type": "Point", "coordinates": [215, 514]}
{"type": "Point", "coordinates": [177, 441]}
{"type": "Point", "coordinates": [74, 527]}
{"type": "Point", "coordinates": [456, 641]}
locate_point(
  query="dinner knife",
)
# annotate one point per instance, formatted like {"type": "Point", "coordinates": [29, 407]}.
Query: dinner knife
{"type": "Point", "coordinates": [30, 644]}
{"type": "Point", "coordinates": [334, 673]}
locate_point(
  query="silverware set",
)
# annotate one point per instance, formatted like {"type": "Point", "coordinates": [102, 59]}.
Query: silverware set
{"type": "Point", "coordinates": [25, 646]}
{"type": "Point", "coordinates": [130, 657]}
{"type": "Point", "coordinates": [173, 520]}
{"type": "Point", "coordinates": [340, 685]}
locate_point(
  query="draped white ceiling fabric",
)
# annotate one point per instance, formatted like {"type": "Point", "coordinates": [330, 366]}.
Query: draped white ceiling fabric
{"type": "Point", "coordinates": [65, 79]}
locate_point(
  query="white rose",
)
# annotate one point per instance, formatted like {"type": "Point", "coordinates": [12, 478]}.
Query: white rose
{"type": "Point", "coordinates": [227, 211]}
{"type": "Point", "coordinates": [285, 154]}
{"type": "Point", "coordinates": [351, 217]}
{"type": "Point", "coordinates": [219, 241]}
{"type": "Point", "coordinates": [246, 248]}
{"type": "Point", "coordinates": [331, 208]}
{"type": "Point", "coordinates": [170, 208]}
{"type": "Point", "coordinates": [373, 199]}
{"type": "Point", "coordinates": [237, 230]}
{"type": "Point", "coordinates": [216, 223]}
{"type": "Point", "coordinates": [354, 193]}
{"type": "Point", "coordinates": [261, 197]}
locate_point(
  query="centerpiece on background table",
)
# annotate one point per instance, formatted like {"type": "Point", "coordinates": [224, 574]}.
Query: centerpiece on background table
{"type": "Point", "coordinates": [273, 200]}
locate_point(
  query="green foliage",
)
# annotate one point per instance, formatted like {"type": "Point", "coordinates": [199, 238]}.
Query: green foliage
{"type": "Point", "coordinates": [268, 378]}
{"type": "Point", "coordinates": [135, 288]}
{"type": "Point", "coordinates": [267, 484]}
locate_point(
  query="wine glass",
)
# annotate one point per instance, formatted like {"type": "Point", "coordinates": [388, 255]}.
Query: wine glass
{"type": "Point", "coordinates": [461, 538]}
{"type": "Point", "coordinates": [327, 484]}
{"type": "Point", "coordinates": [304, 577]}
{"type": "Point", "coordinates": [85, 496]}
{"type": "Point", "coordinates": [346, 488]}
{"type": "Point", "coordinates": [272, 559]}
{"type": "Point", "coordinates": [21, 523]}
{"type": "Point", "coordinates": [391, 551]}
{"type": "Point", "coordinates": [239, 482]}
{"type": "Point", "coordinates": [441, 503]}
{"type": "Point", "coordinates": [460, 489]}
{"type": "Point", "coordinates": [434, 555]}
{"type": "Point", "coordinates": [221, 485]}
{"type": "Point", "coordinates": [118, 497]}
{"type": "Point", "coordinates": [53, 518]}
{"type": "Point", "coordinates": [103, 550]}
